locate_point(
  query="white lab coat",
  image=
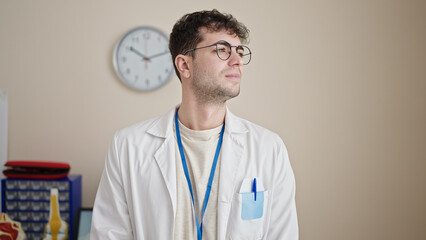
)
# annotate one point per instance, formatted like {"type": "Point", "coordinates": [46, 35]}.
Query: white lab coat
{"type": "Point", "coordinates": [136, 198]}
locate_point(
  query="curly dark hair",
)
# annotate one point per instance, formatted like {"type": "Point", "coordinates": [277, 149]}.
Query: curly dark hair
{"type": "Point", "coordinates": [185, 34]}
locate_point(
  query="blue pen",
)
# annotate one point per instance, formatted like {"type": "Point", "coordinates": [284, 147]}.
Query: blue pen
{"type": "Point", "coordinates": [253, 188]}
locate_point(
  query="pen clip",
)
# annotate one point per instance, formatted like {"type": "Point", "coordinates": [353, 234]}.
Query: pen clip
{"type": "Point", "coordinates": [253, 188]}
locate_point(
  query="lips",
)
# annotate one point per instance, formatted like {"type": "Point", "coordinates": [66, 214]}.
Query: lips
{"type": "Point", "coordinates": [233, 75]}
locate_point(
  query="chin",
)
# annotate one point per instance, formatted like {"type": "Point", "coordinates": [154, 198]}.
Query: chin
{"type": "Point", "coordinates": [233, 94]}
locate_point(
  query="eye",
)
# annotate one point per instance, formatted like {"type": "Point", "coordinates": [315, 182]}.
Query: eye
{"type": "Point", "coordinates": [221, 49]}
{"type": "Point", "coordinates": [240, 51]}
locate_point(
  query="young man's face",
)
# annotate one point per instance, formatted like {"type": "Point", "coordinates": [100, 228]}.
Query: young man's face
{"type": "Point", "coordinates": [216, 80]}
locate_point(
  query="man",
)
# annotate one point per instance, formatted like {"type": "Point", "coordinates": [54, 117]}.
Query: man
{"type": "Point", "coordinates": [199, 172]}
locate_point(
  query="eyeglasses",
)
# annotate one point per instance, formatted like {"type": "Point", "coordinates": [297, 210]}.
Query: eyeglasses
{"type": "Point", "coordinates": [224, 50]}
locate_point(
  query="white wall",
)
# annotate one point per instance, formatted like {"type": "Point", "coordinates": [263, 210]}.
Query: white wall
{"type": "Point", "coordinates": [342, 82]}
{"type": "Point", "coordinates": [3, 130]}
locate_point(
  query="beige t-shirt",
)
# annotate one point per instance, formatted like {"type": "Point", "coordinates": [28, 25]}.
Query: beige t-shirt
{"type": "Point", "coordinates": [199, 148]}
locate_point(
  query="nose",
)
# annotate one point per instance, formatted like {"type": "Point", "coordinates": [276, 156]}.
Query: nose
{"type": "Point", "coordinates": [235, 58]}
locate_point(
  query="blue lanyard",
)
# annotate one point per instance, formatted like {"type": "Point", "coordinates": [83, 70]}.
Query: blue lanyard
{"type": "Point", "coordinates": [185, 169]}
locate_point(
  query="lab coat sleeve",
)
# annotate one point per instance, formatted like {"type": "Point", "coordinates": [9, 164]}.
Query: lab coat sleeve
{"type": "Point", "coordinates": [283, 223]}
{"type": "Point", "coordinates": [110, 212]}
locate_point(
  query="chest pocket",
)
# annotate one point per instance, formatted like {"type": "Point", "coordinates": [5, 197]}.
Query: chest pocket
{"type": "Point", "coordinates": [247, 217]}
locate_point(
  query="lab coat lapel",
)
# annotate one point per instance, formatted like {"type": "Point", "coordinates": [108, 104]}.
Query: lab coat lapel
{"type": "Point", "coordinates": [165, 154]}
{"type": "Point", "coordinates": [231, 157]}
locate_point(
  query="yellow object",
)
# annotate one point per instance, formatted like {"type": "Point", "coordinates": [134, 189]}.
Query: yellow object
{"type": "Point", "coordinates": [56, 228]}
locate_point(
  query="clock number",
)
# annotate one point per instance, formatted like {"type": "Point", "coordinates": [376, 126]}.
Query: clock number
{"type": "Point", "coordinates": [146, 35]}
{"type": "Point", "coordinates": [128, 70]}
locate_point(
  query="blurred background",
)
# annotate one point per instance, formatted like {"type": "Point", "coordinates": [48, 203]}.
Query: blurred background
{"type": "Point", "coordinates": [342, 82]}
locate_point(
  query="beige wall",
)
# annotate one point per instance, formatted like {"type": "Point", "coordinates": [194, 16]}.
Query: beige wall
{"type": "Point", "coordinates": [342, 82]}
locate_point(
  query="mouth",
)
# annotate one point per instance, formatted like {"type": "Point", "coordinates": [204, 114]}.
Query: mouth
{"type": "Point", "coordinates": [235, 76]}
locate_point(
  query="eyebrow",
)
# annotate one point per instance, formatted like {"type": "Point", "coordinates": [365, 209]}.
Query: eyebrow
{"type": "Point", "coordinates": [226, 42]}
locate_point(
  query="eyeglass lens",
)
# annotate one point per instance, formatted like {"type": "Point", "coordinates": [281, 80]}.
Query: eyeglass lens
{"type": "Point", "coordinates": [224, 50]}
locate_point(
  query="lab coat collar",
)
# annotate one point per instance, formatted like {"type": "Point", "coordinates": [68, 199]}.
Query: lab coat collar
{"type": "Point", "coordinates": [164, 126]}
{"type": "Point", "coordinates": [233, 123]}
{"type": "Point", "coordinates": [165, 154]}
{"type": "Point", "coordinates": [231, 157]}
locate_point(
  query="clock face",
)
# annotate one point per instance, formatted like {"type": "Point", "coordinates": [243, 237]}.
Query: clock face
{"type": "Point", "coordinates": [142, 59]}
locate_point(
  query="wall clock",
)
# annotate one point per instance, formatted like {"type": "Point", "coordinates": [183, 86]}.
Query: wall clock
{"type": "Point", "coordinates": [142, 59]}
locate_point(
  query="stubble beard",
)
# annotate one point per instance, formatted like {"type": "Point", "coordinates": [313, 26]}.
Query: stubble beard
{"type": "Point", "coordinates": [208, 91]}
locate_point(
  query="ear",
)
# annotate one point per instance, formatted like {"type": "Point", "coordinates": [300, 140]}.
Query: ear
{"type": "Point", "coordinates": [182, 63]}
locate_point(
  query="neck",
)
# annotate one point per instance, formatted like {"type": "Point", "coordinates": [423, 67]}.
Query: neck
{"type": "Point", "coordinates": [201, 117]}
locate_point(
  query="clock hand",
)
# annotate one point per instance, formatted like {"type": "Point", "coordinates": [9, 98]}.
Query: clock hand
{"type": "Point", "coordinates": [145, 44]}
{"type": "Point", "coordinates": [144, 58]}
{"type": "Point", "coordinates": [157, 55]}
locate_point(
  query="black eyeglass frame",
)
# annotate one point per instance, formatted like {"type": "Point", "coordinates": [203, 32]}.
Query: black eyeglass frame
{"type": "Point", "coordinates": [230, 51]}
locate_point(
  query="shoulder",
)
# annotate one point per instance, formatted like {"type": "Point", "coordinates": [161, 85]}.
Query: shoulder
{"type": "Point", "coordinates": [137, 129]}
{"type": "Point", "coordinates": [255, 131]}
{"type": "Point", "coordinates": [160, 126]}
{"type": "Point", "coordinates": [263, 144]}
